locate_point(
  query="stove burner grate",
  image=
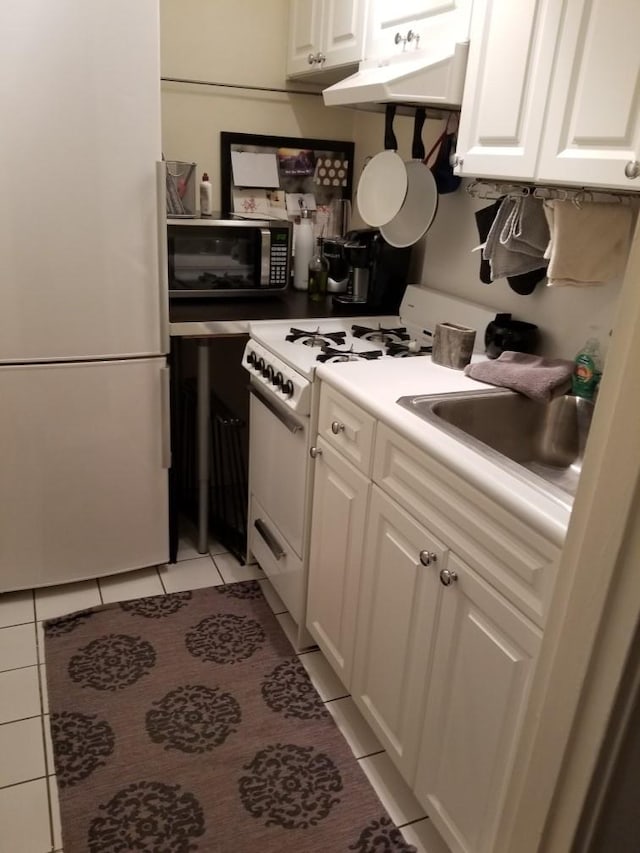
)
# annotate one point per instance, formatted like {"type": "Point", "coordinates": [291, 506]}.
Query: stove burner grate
{"type": "Point", "coordinates": [380, 334]}
{"type": "Point", "coordinates": [330, 354]}
{"type": "Point", "coordinates": [315, 338]}
{"type": "Point", "coordinates": [406, 349]}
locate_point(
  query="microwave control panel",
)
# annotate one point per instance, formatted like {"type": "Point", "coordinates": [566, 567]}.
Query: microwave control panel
{"type": "Point", "coordinates": [279, 266]}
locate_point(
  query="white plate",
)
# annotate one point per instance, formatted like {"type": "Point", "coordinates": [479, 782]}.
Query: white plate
{"type": "Point", "coordinates": [382, 188]}
{"type": "Point", "coordinates": [418, 209]}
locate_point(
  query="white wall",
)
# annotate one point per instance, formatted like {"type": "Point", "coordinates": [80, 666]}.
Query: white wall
{"type": "Point", "coordinates": [237, 42]}
{"type": "Point", "coordinates": [245, 42]}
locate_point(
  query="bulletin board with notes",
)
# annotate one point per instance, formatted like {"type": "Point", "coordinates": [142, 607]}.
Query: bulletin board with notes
{"type": "Point", "coordinates": [273, 177]}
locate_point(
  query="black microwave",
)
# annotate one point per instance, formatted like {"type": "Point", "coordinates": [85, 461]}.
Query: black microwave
{"type": "Point", "coordinates": [211, 258]}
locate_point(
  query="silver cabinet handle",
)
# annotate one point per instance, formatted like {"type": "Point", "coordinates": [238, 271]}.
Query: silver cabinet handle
{"type": "Point", "coordinates": [428, 557]}
{"type": "Point", "coordinates": [166, 416]}
{"type": "Point", "coordinates": [311, 59]}
{"type": "Point", "coordinates": [448, 577]}
{"type": "Point", "coordinates": [337, 427]}
{"type": "Point", "coordinates": [272, 543]}
{"type": "Point", "coordinates": [314, 452]}
{"type": "Point", "coordinates": [632, 169]}
{"type": "Point", "coordinates": [321, 58]}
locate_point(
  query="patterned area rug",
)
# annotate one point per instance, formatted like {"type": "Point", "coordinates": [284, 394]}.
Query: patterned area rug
{"type": "Point", "coordinates": [185, 722]}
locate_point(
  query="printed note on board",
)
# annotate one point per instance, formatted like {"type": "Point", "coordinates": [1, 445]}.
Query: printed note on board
{"type": "Point", "coordinates": [254, 170]}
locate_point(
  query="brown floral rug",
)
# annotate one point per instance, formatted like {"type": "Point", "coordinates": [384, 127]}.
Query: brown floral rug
{"type": "Point", "coordinates": [184, 722]}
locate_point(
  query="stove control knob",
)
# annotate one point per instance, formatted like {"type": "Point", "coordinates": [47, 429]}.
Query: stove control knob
{"type": "Point", "coordinates": [278, 379]}
{"type": "Point", "coordinates": [251, 358]}
{"type": "Point", "coordinates": [259, 364]}
{"type": "Point", "coordinates": [268, 373]}
{"type": "Point", "coordinates": [287, 388]}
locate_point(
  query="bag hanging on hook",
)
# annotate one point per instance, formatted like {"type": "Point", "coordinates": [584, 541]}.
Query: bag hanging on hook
{"type": "Point", "coordinates": [442, 170]}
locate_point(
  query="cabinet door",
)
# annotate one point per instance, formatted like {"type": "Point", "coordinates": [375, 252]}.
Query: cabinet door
{"type": "Point", "coordinates": [426, 18]}
{"type": "Point", "coordinates": [83, 479]}
{"type": "Point", "coordinates": [343, 32]}
{"type": "Point", "coordinates": [483, 662]}
{"type": "Point", "coordinates": [593, 121]}
{"type": "Point", "coordinates": [339, 509]}
{"type": "Point", "coordinates": [305, 35]}
{"type": "Point", "coordinates": [510, 61]}
{"type": "Point", "coordinates": [396, 617]}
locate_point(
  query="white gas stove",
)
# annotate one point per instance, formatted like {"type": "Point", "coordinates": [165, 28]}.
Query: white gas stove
{"type": "Point", "coordinates": [281, 358]}
{"type": "Point", "coordinates": [282, 355]}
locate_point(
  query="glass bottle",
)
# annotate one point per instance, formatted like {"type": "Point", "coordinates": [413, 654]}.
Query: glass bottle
{"type": "Point", "coordinates": [318, 274]}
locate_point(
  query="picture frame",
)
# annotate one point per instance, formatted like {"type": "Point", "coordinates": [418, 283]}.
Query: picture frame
{"type": "Point", "coordinates": [310, 172]}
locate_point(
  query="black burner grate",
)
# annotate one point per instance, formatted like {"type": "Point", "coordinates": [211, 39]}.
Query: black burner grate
{"type": "Point", "coordinates": [330, 354]}
{"type": "Point", "coordinates": [380, 334]}
{"type": "Point", "coordinates": [406, 349]}
{"type": "Point", "coordinates": [315, 338]}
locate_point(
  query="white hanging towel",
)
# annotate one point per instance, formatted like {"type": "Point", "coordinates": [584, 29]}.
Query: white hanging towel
{"type": "Point", "coordinates": [589, 242]}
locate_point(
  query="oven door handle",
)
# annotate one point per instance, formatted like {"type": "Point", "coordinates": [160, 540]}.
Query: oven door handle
{"type": "Point", "coordinates": [272, 543]}
{"type": "Point", "coordinates": [290, 423]}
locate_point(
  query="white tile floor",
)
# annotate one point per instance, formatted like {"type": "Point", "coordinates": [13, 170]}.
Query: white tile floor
{"type": "Point", "coordinates": [29, 812]}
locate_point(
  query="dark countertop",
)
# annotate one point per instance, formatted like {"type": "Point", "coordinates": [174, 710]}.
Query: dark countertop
{"type": "Point", "coordinates": [203, 318]}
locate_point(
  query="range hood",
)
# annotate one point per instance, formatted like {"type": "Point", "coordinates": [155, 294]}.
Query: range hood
{"type": "Point", "coordinates": [430, 77]}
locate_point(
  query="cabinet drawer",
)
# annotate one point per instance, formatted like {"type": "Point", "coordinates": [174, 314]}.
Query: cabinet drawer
{"type": "Point", "coordinates": [515, 559]}
{"type": "Point", "coordinates": [347, 428]}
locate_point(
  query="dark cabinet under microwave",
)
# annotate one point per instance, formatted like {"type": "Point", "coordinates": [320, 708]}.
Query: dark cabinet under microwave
{"type": "Point", "coordinates": [228, 257]}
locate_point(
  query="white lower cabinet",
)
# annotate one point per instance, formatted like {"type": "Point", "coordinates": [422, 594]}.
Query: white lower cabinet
{"type": "Point", "coordinates": [339, 510]}
{"type": "Point", "coordinates": [483, 660]}
{"type": "Point", "coordinates": [399, 593]}
{"type": "Point", "coordinates": [436, 647]}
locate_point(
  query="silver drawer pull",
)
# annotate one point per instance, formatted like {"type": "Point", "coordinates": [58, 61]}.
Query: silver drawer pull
{"type": "Point", "coordinates": [428, 557]}
{"type": "Point", "coordinates": [337, 427]}
{"type": "Point", "coordinates": [632, 169]}
{"type": "Point", "coordinates": [271, 541]}
{"type": "Point", "coordinates": [447, 577]}
{"type": "Point", "coordinates": [314, 452]}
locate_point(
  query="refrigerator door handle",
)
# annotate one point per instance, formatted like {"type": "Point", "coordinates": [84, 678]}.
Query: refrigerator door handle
{"type": "Point", "coordinates": [165, 416]}
{"type": "Point", "coordinates": [163, 259]}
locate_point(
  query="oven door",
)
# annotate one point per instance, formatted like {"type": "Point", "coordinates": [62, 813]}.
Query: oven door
{"type": "Point", "coordinates": [227, 258]}
{"type": "Point", "coordinates": [277, 464]}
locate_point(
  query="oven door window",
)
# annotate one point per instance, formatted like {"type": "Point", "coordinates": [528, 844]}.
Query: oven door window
{"type": "Point", "coordinates": [214, 259]}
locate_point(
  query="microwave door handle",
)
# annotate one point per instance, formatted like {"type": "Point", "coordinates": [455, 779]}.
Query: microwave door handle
{"type": "Point", "coordinates": [265, 256]}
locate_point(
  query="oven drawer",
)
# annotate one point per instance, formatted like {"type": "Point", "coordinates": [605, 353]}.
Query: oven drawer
{"type": "Point", "coordinates": [346, 427]}
{"type": "Point", "coordinates": [277, 560]}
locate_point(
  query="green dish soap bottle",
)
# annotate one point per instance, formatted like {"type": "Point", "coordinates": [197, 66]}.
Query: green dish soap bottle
{"type": "Point", "coordinates": [587, 370]}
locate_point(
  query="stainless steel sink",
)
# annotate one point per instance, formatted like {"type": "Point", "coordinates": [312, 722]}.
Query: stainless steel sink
{"type": "Point", "coordinates": [542, 443]}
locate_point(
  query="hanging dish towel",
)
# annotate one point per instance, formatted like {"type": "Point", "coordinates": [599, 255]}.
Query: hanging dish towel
{"type": "Point", "coordinates": [589, 242]}
{"type": "Point", "coordinates": [539, 378]}
{"type": "Point", "coordinates": [518, 238]}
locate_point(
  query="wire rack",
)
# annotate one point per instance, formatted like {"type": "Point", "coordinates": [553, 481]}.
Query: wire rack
{"type": "Point", "coordinates": [579, 195]}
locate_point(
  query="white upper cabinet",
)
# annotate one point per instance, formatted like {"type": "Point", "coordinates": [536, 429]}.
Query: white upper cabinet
{"type": "Point", "coordinates": [406, 25]}
{"type": "Point", "coordinates": [551, 93]}
{"type": "Point", "coordinates": [592, 133]}
{"type": "Point", "coordinates": [510, 62]}
{"type": "Point", "coordinates": [325, 34]}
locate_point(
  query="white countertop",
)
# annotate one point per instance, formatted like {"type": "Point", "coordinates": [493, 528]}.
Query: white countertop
{"type": "Point", "coordinates": [375, 386]}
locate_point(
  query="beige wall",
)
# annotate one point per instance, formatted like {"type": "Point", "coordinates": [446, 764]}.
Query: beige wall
{"type": "Point", "coordinates": [245, 42]}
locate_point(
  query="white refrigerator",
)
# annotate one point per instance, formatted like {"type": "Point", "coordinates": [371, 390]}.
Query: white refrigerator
{"type": "Point", "coordinates": [84, 421]}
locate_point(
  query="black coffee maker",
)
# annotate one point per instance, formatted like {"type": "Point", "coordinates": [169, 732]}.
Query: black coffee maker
{"type": "Point", "coordinates": [377, 272]}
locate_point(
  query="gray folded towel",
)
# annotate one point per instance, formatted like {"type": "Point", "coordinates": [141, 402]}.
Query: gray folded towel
{"type": "Point", "coordinates": [518, 238]}
{"type": "Point", "coordinates": [539, 378]}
